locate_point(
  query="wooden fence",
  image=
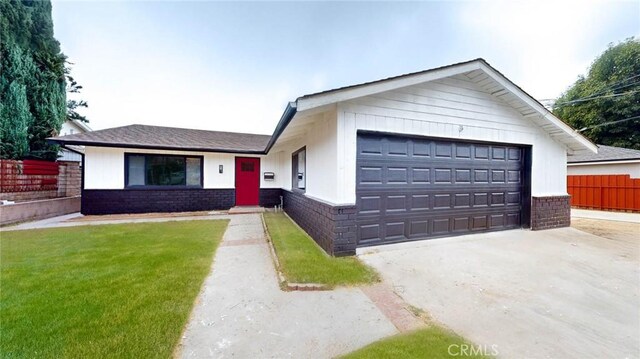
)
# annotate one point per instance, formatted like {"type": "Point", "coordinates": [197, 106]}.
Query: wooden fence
{"type": "Point", "coordinates": [28, 176]}
{"type": "Point", "coordinates": [605, 192]}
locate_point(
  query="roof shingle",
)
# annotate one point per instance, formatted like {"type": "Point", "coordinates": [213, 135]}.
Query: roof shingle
{"type": "Point", "coordinates": [606, 153]}
{"type": "Point", "coordinates": [169, 138]}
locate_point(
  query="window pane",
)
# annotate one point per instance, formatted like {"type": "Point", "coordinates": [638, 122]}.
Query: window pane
{"type": "Point", "coordinates": [165, 171]}
{"type": "Point", "coordinates": [193, 172]}
{"type": "Point", "coordinates": [136, 171]}
{"type": "Point", "coordinates": [246, 167]}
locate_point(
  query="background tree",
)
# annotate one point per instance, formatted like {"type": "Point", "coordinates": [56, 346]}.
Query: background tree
{"type": "Point", "coordinates": [32, 80]}
{"type": "Point", "coordinates": [73, 105]}
{"type": "Point", "coordinates": [607, 101]}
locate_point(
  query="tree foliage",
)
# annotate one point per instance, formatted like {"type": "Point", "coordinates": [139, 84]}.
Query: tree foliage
{"type": "Point", "coordinates": [32, 80]}
{"type": "Point", "coordinates": [74, 105]}
{"type": "Point", "coordinates": [609, 93]}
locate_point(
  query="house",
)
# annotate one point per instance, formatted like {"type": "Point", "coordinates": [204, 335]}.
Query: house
{"type": "Point", "coordinates": [452, 150]}
{"type": "Point", "coordinates": [72, 153]}
{"type": "Point", "coordinates": [607, 180]}
{"type": "Point", "coordinates": [608, 161]}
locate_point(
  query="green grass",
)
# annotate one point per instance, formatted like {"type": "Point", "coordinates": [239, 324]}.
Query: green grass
{"type": "Point", "coordinates": [432, 343]}
{"type": "Point", "coordinates": [102, 291]}
{"type": "Point", "coordinates": [302, 261]}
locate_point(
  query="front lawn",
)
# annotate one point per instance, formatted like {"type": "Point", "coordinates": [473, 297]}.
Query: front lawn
{"type": "Point", "coordinates": [122, 290]}
{"type": "Point", "coordinates": [432, 342]}
{"type": "Point", "coordinates": [302, 261]}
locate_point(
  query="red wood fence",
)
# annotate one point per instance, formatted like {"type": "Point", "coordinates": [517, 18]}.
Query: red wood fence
{"type": "Point", "coordinates": [28, 175]}
{"type": "Point", "coordinates": [612, 192]}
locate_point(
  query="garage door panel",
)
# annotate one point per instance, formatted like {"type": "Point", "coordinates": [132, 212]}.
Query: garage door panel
{"type": "Point", "coordinates": [403, 229]}
{"type": "Point", "coordinates": [394, 230]}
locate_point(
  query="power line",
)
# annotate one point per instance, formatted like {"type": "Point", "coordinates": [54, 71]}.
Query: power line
{"type": "Point", "coordinates": [595, 98]}
{"type": "Point", "coordinates": [608, 123]}
{"type": "Point", "coordinates": [610, 87]}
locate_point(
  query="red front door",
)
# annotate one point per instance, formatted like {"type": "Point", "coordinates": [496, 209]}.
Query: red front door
{"type": "Point", "coordinates": [247, 181]}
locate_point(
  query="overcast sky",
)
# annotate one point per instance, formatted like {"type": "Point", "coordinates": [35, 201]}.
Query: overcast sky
{"type": "Point", "coordinates": [234, 66]}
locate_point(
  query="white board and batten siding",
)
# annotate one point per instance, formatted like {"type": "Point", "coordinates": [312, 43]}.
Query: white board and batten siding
{"type": "Point", "coordinates": [455, 108]}
{"type": "Point", "coordinates": [320, 140]}
{"type": "Point", "coordinates": [104, 167]}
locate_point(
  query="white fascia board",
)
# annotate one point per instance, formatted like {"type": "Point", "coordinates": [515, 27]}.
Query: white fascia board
{"type": "Point", "coordinates": [82, 125]}
{"type": "Point", "coordinates": [546, 114]}
{"type": "Point", "coordinates": [593, 163]}
{"type": "Point", "coordinates": [382, 86]}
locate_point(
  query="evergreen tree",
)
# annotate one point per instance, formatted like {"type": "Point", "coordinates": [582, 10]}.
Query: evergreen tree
{"type": "Point", "coordinates": [32, 80]}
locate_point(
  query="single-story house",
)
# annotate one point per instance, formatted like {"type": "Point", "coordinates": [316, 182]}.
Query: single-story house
{"type": "Point", "coordinates": [608, 161]}
{"type": "Point", "coordinates": [453, 150]}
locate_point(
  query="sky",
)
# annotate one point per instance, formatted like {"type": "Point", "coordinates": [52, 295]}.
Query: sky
{"type": "Point", "coordinates": [234, 66]}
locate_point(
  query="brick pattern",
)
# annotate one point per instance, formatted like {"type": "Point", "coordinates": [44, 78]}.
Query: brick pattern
{"type": "Point", "coordinates": [270, 197]}
{"type": "Point", "coordinates": [69, 179]}
{"type": "Point", "coordinates": [550, 212]}
{"type": "Point", "coordinates": [32, 187]}
{"type": "Point", "coordinates": [332, 227]}
{"type": "Point", "coordinates": [156, 200]}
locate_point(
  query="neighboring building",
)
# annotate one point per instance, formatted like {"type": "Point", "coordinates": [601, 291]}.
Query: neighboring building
{"type": "Point", "coordinates": [453, 150]}
{"type": "Point", "coordinates": [72, 153]}
{"type": "Point", "coordinates": [608, 180]}
{"type": "Point", "coordinates": [608, 161]}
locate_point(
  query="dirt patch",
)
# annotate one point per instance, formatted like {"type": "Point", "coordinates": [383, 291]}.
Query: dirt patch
{"type": "Point", "coordinates": [624, 236]}
{"type": "Point", "coordinates": [608, 229]}
{"type": "Point", "coordinates": [111, 217]}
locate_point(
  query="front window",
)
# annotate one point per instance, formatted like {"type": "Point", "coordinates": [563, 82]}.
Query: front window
{"type": "Point", "coordinates": [299, 166]}
{"type": "Point", "coordinates": [163, 170]}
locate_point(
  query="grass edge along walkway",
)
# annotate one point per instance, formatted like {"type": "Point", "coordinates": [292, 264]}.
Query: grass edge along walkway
{"type": "Point", "coordinates": [117, 290]}
{"type": "Point", "coordinates": [303, 261]}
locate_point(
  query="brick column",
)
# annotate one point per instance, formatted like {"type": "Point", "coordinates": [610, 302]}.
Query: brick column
{"type": "Point", "coordinates": [550, 212]}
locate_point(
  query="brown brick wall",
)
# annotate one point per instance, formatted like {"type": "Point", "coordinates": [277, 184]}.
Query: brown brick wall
{"type": "Point", "coordinates": [66, 184]}
{"type": "Point", "coordinates": [69, 180]}
{"type": "Point", "coordinates": [550, 212]}
{"type": "Point", "coordinates": [332, 227]}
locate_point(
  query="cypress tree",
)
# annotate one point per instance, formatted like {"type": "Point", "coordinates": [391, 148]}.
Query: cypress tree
{"type": "Point", "coordinates": [32, 80]}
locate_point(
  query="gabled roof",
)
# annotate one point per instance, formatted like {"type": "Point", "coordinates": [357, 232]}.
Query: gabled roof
{"type": "Point", "coordinates": [606, 154]}
{"type": "Point", "coordinates": [478, 71]}
{"type": "Point", "coordinates": [169, 138]}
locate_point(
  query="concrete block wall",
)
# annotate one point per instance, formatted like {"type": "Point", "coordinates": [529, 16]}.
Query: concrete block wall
{"type": "Point", "coordinates": [36, 210]}
{"type": "Point", "coordinates": [550, 212]}
{"type": "Point", "coordinates": [69, 179]}
{"type": "Point", "coordinates": [332, 227]}
{"type": "Point", "coordinates": [66, 183]}
{"type": "Point", "coordinates": [156, 200]}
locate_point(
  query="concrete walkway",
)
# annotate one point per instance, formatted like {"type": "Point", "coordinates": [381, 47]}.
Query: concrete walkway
{"type": "Point", "coordinates": [242, 313]}
{"type": "Point", "coordinates": [605, 215]}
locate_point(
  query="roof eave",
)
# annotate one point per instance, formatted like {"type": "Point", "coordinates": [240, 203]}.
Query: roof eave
{"type": "Point", "coordinates": [152, 147]}
{"type": "Point", "coordinates": [538, 107]}
{"type": "Point", "coordinates": [621, 160]}
{"type": "Point", "coordinates": [288, 114]}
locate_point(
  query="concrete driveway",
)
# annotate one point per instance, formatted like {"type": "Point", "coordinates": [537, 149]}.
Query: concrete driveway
{"type": "Point", "coordinates": [560, 293]}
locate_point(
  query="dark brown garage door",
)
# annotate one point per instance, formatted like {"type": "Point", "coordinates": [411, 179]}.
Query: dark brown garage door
{"type": "Point", "coordinates": [416, 188]}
